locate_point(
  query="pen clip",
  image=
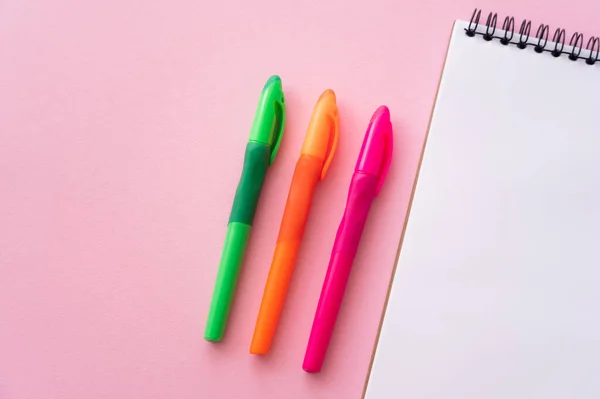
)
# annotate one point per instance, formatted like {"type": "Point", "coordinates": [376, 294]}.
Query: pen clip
{"type": "Point", "coordinates": [321, 139]}
{"type": "Point", "coordinates": [376, 152]}
{"type": "Point", "coordinates": [269, 119]}
{"type": "Point", "coordinates": [334, 132]}
{"type": "Point", "coordinates": [387, 132]}
{"type": "Point", "coordinates": [279, 115]}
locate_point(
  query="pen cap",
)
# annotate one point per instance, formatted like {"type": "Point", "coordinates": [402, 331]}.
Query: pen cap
{"type": "Point", "coordinates": [269, 119]}
{"type": "Point", "coordinates": [323, 131]}
{"type": "Point", "coordinates": [376, 151]}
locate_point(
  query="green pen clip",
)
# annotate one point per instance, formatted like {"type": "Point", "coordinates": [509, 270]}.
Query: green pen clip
{"type": "Point", "coordinates": [269, 119]}
{"type": "Point", "coordinates": [261, 149]}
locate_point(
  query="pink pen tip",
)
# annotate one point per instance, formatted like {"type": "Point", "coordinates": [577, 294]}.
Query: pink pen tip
{"type": "Point", "coordinates": [382, 112]}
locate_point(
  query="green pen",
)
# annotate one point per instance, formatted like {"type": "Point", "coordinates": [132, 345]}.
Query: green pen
{"type": "Point", "coordinates": [261, 150]}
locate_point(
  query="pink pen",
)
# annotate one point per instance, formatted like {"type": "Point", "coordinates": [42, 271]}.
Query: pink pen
{"type": "Point", "coordinates": [369, 174]}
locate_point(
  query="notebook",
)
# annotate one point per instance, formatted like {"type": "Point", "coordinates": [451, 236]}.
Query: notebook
{"type": "Point", "coordinates": [496, 292]}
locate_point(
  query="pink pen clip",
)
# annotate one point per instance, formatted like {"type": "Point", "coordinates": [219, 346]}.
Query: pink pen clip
{"type": "Point", "coordinates": [370, 172]}
{"type": "Point", "coordinates": [376, 151]}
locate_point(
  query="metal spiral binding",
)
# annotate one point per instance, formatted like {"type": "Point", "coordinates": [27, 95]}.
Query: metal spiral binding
{"type": "Point", "coordinates": [556, 47]}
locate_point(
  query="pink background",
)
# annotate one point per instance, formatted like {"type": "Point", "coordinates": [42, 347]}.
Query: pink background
{"type": "Point", "coordinates": [123, 124]}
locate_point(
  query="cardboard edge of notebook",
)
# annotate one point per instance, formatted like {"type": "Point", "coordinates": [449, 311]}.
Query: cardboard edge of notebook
{"type": "Point", "coordinates": [406, 219]}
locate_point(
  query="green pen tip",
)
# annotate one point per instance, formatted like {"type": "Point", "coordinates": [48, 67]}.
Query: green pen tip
{"type": "Point", "coordinates": [272, 80]}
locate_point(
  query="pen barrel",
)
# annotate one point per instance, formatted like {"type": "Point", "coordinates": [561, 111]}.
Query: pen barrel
{"type": "Point", "coordinates": [299, 200]}
{"type": "Point", "coordinates": [295, 216]}
{"type": "Point", "coordinates": [227, 276]}
{"type": "Point", "coordinates": [360, 196]}
{"type": "Point", "coordinates": [256, 162]}
{"type": "Point", "coordinates": [247, 194]}
{"type": "Point", "coordinates": [328, 308]}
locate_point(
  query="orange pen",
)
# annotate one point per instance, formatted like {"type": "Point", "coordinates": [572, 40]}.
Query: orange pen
{"type": "Point", "coordinates": [318, 149]}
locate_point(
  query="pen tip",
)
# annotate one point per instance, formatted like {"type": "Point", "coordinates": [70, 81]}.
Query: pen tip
{"type": "Point", "coordinates": [328, 95]}
{"type": "Point", "coordinates": [382, 112]}
{"type": "Point", "coordinates": [273, 80]}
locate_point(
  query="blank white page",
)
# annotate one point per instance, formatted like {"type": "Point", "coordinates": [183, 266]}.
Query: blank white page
{"type": "Point", "coordinates": [497, 288]}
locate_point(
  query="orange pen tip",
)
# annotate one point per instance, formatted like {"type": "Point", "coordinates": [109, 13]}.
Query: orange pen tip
{"type": "Point", "coordinates": [256, 350]}
{"type": "Point", "coordinates": [260, 345]}
{"type": "Point", "coordinates": [328, 95]}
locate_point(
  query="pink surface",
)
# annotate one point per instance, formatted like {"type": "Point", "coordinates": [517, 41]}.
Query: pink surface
{"type": "Point", "coordinates": [123, 127]}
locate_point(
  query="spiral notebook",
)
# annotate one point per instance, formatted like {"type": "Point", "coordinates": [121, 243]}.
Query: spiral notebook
{"type": "Point", "coordinates": [496, 292]}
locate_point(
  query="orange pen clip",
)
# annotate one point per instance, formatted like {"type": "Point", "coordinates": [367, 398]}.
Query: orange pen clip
{"type": "Point", "coordinates": [317, 152]}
